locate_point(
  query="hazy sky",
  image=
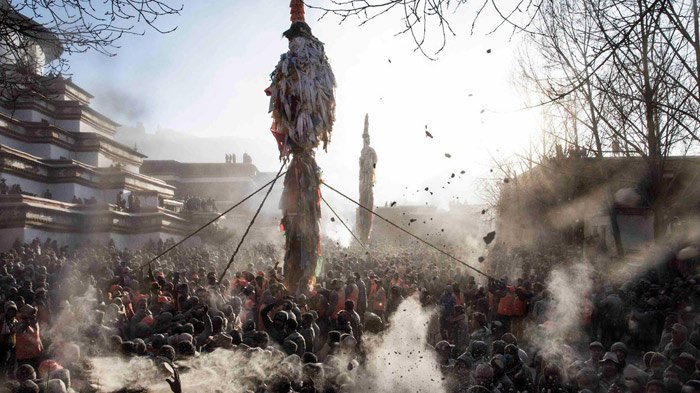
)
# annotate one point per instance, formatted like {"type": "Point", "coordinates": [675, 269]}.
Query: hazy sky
{"type": "Point", "coordinates": [207, 78]}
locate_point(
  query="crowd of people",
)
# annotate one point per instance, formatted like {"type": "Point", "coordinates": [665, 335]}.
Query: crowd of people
{"type": "Point", "coordinates": [641, 336]}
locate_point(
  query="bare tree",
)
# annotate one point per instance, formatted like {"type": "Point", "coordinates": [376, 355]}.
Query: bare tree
{"type": "Point", "coordinates": [489, 188]}
{"type": "Point", "coordinates": [425, 19]}
{"type": "Point", "coordinates": [619, 77]}
{"type": "Point", "coordinates": [684, 17]}
{"type": "Point", "coordinates": [623, 74]}
{"type": "Point", "coordinates": [650, 93]}
{"type": "Point", "coordinates": [35, 35]}
{"type": "Point", "coordinates": [560, 63]}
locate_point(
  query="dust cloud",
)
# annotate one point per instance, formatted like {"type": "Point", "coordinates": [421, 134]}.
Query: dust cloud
{"type": "Point", "coordinates": [220, 371]}
{"type": "Point", "coordinates": [569, 287]}
{"type": "Point", "coordinates": [401, 360]}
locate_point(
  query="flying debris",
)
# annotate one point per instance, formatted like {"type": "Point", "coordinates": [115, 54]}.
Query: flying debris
{"type": "Point", "coordinates": [488, 50]}
{"type": "Point", "coordinates": [452, 176]}
{"type": "Point", "coordinates": [427, 188]}
{"type": "Point", "coordinates": [393, 204]}
{"type": "Point", "coordinates": [428, 134]}
{"type": "Point", "coordinates": [471, 95]}
{"type": "Point", "coordinates": [389, 61]}
{"type": "Point", "coordinates": [448, 155]}
{"type": "Point", "coordinates": [462, 172]}
{"type": "Point", "coordinates": [481, 259]}
{"type": "Point", "coordinates": [482, 111]}
{"type": "Point", "coordinates": [483, 211]}
{"type": "Point", "coordinates": [413, 220]}
{"type": "Point", "coordinates": [489, 237]}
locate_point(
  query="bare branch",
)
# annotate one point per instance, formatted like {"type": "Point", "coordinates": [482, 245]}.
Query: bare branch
{"type": "Point", "coordinates": [34, 34]}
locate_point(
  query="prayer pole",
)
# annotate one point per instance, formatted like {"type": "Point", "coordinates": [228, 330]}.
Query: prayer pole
{"type": "Point", "coordinates": [368, 164]}
{"type": "Point", "coordinates": [302, 103]}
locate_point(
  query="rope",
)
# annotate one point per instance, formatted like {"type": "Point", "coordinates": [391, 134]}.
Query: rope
{"type": "Point", "coordinates": [346, 227]}
{"type": "Point", "coordinates": [252, 221]}
{"type": "Point", "coordinates": [412, 235]}
{"type": "Point", "coordinates": [213, 220]}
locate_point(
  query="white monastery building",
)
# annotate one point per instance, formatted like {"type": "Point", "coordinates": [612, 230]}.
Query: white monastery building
{"type": "Point", "coordinates": [63, 176]}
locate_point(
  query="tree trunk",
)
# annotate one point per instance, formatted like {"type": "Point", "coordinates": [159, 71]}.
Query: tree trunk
{"type": "Point", "coordinates": [654, 154]}
{"type": "Point", "coordinates": [696, 43]}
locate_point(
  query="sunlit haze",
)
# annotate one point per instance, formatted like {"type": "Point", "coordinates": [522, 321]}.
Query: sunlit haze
{"type": "Point", "coordinates": [207, 78]}
{"type": "Point", "coordinates": [523, 215]}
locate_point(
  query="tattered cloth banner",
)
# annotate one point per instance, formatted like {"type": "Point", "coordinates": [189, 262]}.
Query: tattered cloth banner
{"type": "Point", "coordinates": [302, 103]}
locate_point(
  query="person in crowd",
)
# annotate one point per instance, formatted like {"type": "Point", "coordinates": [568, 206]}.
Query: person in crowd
{"type": "Point", "coordinates": [8, 336]}
{"type": "Point", "coordinates": [610, 370]}
{"type": "Point", "coordinates": [482, 332]}
{"type": "Point", "coordinates": [377, 298]}
{"type": "Point", "coordinates": [447, 307]}
{"type": "Point", "coordinates": [361, 304]}
{"type": "Point", "coordinates": [679, 343]}
{"type": "Point", "coordinates": [588, 379]}
{"type": "Point", "coordinates": [596, 351]}
{"type": "Point", "coordinates": [354, 319]}
{"type": "Point", "coordinates": [489, 336]}
{"type": "Point", "coordinates": [620, 350]}
{"type": "Point", "coordinates": [460, 328]}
